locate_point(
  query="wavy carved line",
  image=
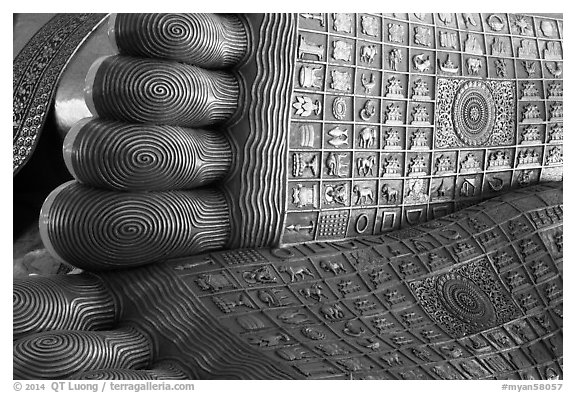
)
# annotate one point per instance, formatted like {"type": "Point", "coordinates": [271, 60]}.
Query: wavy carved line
{"type": "Point", "coordinates": [124, 374]}
{"type": "Point", "coordinates": [264, 145]}
{"type": "Point", "coordinates": [269, 120]}
{"type": "Point", "coordinates": [117, 374]}
{"type": "Point", "coordinates": [177, 315]}
{"type": "Point", "coordinates": [178, 325]}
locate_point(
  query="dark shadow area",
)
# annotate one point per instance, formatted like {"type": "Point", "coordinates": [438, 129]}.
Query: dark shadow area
{"type": "Point", "coordinates": [44, 171]}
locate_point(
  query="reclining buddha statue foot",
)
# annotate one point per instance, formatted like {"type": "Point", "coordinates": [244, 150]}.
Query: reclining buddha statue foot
{"type": "Point", "coordinates": [475, 294]}
{"type": "Point", "coordinates": [305, 196]}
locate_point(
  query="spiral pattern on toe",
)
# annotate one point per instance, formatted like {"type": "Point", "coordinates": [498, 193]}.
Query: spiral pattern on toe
{"type": "Point", "coordinates": [122, 156]}
{"type": "Point", "coordinates": [160, 92]}
{"type": "Point", "coordinates": [61, 354]}
{"type": "Point", "coordinates": [206, 40]}
{"type": "Point", "coordinates": [96, 229]}
{"type": "Point", "coordinates": [78, 302]}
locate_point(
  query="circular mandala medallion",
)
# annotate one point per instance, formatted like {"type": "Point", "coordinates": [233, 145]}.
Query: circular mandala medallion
{"type": "Point", "coordinates": [466, 301]}
{"type": "Point", "coordinates": [474, 113]}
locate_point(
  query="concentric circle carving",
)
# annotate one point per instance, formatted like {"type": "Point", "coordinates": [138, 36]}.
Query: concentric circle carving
{"type": "Point", "coordinates": [96, 229]}
{"type": "Point", "coordinates": [205, 40]}
{"type": "Point", "coordinates": [474, 113]}
{"type": "Point", "coordinates": [61, 354]}
{"type": "Point", "coordinates": [61, 302]}
{"type": "Point", "coordinates": [153, 91]}
{"type": "Point", "coordinates": [145, 157]}
{"type": "Point", "coordinates": [465, 300]}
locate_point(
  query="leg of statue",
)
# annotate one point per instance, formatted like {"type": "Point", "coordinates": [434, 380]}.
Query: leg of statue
{"type": "Point", "coordinates": [473, 295]}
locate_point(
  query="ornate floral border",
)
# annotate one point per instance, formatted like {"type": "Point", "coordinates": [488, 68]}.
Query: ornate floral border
{"type": "Point", "coordinates": [488, 287]}
{"type": "Point", "coordinates": [36, 73]}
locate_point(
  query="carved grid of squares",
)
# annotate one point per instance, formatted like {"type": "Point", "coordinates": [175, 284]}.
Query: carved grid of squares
{"type": "Point", "coordinates": [512, 235]}
{"type": "Point", "coordinates": [357, 97]}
